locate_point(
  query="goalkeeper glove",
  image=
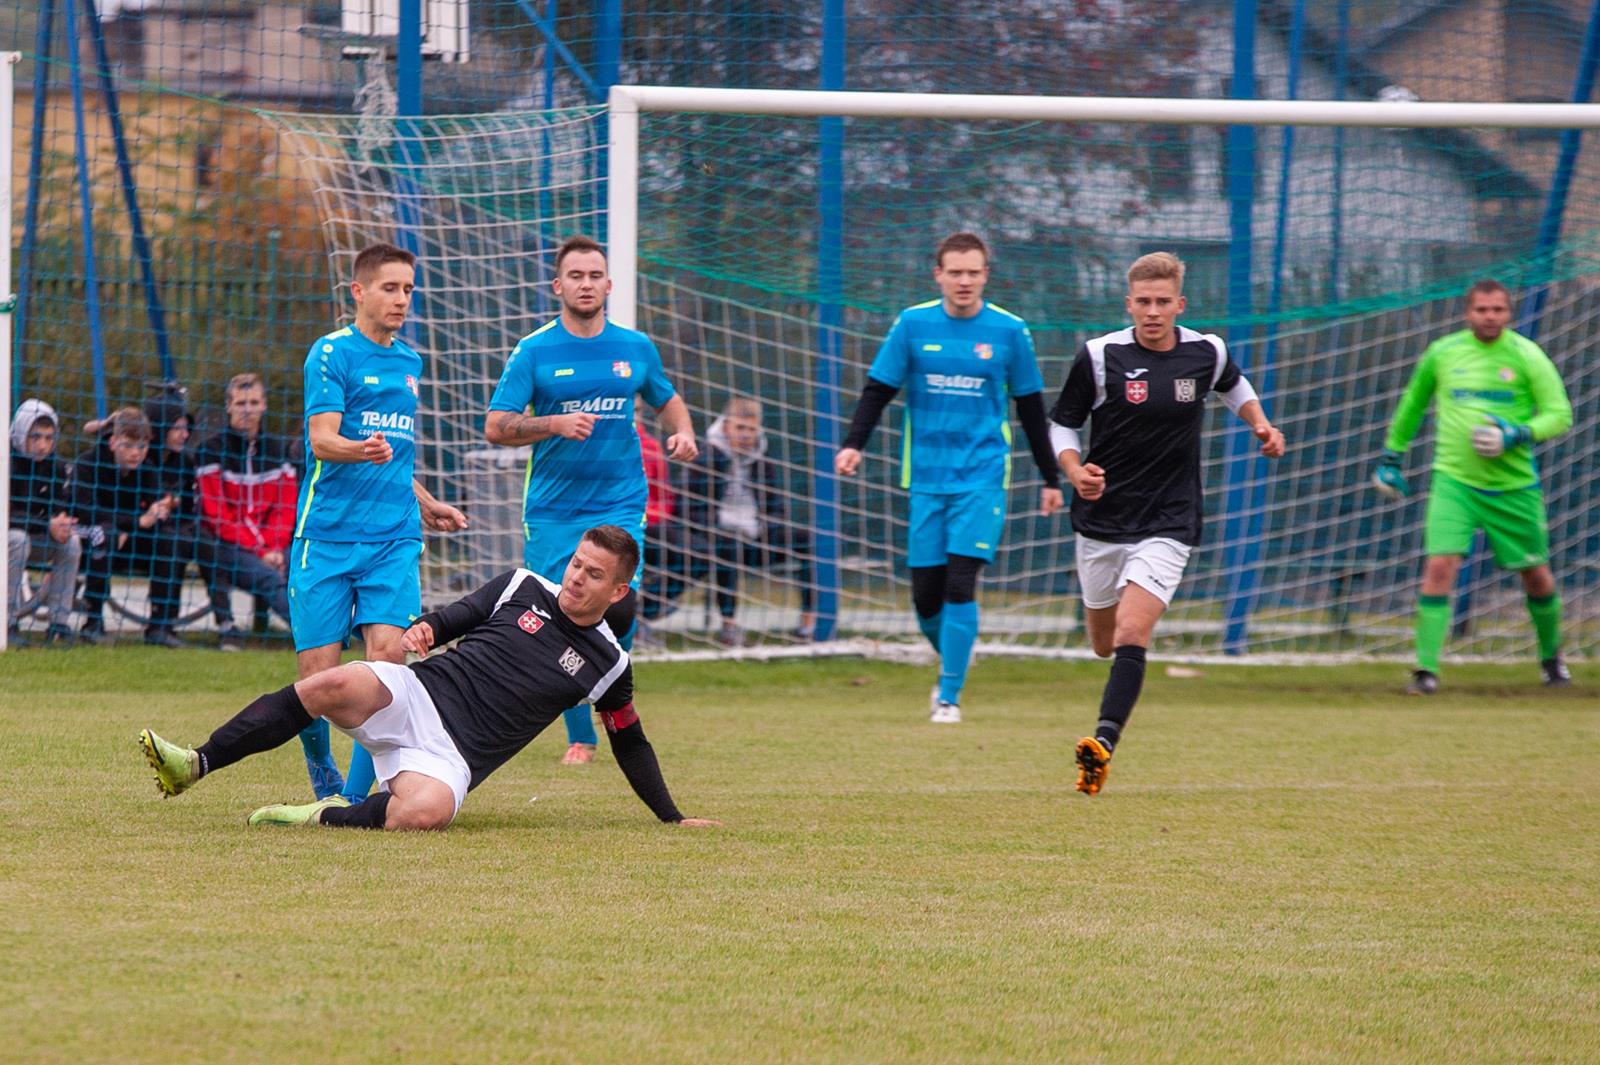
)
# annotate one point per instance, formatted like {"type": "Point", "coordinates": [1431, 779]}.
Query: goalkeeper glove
{"type": "Point", "coordinates": [1388, 479]}
{"type": "Point", "coordinates": [1497, 436]}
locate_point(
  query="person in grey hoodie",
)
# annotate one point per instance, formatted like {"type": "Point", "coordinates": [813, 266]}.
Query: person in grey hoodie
{"type": "Point", "coordinates": [735, 518]}
{"type": "Point", "coordinates": [43, 517]}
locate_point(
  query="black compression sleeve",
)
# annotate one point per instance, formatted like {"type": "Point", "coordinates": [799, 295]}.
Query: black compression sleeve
{"type": "Point", "coordinates": [1030, 410]}
{"type": "Point", "coordinates": [869, 409]}
{"type": "Point", "coordinates": [638, 762]}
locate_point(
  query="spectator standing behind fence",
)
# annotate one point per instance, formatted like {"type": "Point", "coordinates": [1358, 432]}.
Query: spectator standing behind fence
{"type": "Point", "coordinates": [43, 518]}
{"type": "Point", "coordinates": [734, 516]}
{"type": "Point", "coordinates": [248, 489]}
{"type": "Point", "coordinates": [120, 493]}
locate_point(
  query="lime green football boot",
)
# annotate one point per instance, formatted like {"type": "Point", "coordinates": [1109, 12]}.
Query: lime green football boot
{"type": "Point", "coordinates": [177, 768]}
{"type": "Point", "coordinates": [309, 813]}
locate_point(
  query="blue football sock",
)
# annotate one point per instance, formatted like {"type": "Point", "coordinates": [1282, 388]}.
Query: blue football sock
{"type": "Point", "coordinates": [580, 725]}
{"type": "Point", "coordinates": [361, 777]}
{"type": "Point", "coordinates": [931, 627]}
{"type": "Point", "coordinates": [314, 741]}
{"type": "Point", "coordinates": [956, 637]}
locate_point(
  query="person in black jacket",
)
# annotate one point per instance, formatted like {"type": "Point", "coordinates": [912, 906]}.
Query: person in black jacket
{"type": "Point", "coordinates": [43, 518]}
{"type": "Point", "coordinates": [123, 494]}
{"type": "Point", "coordinates": [735, 518]}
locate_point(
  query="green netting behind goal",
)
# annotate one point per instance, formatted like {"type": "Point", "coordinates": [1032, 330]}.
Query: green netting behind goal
{"type": "Point", "coordinates": [1384, 229]}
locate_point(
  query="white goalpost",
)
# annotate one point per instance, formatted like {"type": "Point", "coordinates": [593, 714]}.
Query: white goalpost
{"type": "Point", "coordinates": [627, 102]}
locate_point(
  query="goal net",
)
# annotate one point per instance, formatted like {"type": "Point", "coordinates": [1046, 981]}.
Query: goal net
{"type": "Point", "coordinates": [773, 251]}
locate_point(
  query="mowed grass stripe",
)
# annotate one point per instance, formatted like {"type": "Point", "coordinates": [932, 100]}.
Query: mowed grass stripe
{"type": "Point", "coordinates": [1286, 865]}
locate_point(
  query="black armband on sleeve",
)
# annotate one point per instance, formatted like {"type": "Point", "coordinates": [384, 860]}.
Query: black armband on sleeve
{"type": "Point", "coordinates": [869, 409]}
{"type": "Point", "coordinates": [637, 760]}
{"type": "Point", "coordinates": [1030, 411]}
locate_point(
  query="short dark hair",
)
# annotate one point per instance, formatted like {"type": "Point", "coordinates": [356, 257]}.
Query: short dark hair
{"type": "Point", "coordinates": [239, 381]}
{"type": "Point", "coordinates": [130, 423]}
{"type": "Point", "coordinates": [578, 243]}
{"type": "Point", "coordinates": [1486, 286]}
{"type": "Point", "coordinates": [376, 257]}
{"type": "Point", "coordinates": [961, 242]}
{"type": "Point", "coordinates": [619, 542]}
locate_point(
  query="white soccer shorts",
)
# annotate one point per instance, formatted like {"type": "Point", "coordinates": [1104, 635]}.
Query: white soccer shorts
{"type": "Point", "coordinates": [1156, 565]}
{"type": "Point", "coordinates": [408, 735]}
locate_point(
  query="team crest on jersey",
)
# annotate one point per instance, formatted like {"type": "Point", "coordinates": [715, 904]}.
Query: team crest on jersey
{"type": "Point", "coordinates": [1138, 391]}
{"type": "Point", "coordinates": [1183, 389]}
{"type": "Point", "coordinates": [622, 369]}
{"type": "Point", "coordinates": [530, 622]}
{"type": "Point", "coordinates": [1506, 374]}
{"type": "Point", "coordinates": [411, 383]}
{"type": "Point", "coordinates": [571, 661]}
{"type": "Point", "coordinates": [983, 351]}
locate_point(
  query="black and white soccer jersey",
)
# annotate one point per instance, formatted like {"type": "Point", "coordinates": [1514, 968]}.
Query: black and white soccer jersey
{"type": "Point", "coordinates": [520, 663]}
{"type": "Point", "coordinates": [1145, 410]}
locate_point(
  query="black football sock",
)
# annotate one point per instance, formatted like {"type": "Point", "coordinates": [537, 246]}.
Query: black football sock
{"type": "Point", "coordinates": [371, 812]}
{"type": "Point", "coordinates": [1122, 691]}
{"type": "Point", "coordinates": [270, 721]}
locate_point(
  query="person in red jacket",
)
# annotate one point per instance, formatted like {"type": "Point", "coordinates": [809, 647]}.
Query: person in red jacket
{"type": "Point", "coordinates": [247, 488]}
{"type": "Point", "coordinates": [659, 505]}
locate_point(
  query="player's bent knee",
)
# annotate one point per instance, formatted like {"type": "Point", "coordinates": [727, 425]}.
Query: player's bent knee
{"type": "Point", "coordinates": [420, 813]}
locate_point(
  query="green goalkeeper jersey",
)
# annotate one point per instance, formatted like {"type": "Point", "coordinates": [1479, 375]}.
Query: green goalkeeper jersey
{"type": "Point", "coordinates": [1510, 378]}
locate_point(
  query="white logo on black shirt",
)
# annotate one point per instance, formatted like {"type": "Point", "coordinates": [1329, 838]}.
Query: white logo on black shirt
{"type": "Point", "coordinates": [571, 661]}
{"type": "Point", "coordinates": [1183, 387]}
{"type": "Point", "coordinates": [1133, 374]}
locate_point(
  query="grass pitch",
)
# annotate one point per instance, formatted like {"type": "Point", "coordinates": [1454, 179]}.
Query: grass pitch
{"type": "Point", "coordinates": [1286, 866]}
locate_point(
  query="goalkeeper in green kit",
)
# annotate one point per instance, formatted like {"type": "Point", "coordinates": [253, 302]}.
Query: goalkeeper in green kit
{"type": "Point", "coordinates": [1498, 394]}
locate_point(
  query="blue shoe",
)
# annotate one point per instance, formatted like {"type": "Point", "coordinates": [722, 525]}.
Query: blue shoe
{"type": "Point", "coordinates": [326, 780]}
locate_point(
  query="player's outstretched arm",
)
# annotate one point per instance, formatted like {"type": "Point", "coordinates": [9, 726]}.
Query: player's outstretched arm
{"type": "Point", "coordinates": [634, 755]}
{"type": "Point", "coordinates": [467, 613]}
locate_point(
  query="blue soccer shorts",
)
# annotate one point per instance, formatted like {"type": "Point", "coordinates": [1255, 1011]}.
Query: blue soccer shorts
{"type": "Point", "coordinates": [550, 544]}
{"type": "Point", "coordinates": [333, 586]}
{"type": "Point", "coordinates": [955, 523]}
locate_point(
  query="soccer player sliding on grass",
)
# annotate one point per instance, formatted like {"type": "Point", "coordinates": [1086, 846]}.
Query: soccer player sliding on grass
{"type": "Point", "coordinates": [436, 728]}
{"type": "Point", "coordinates": [1136, 503]}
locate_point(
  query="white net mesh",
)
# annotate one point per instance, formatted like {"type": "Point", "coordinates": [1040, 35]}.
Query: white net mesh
{"type": "Point", "coordinates": [1300, 558]}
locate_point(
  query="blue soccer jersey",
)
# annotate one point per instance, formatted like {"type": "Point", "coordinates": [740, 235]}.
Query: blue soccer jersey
{"type": "Point", "coordinates": [555, 372]}
{"type": "Point", "coordinates": [957, 374]}
{"type": "Point", "coordinates": [374, 388]}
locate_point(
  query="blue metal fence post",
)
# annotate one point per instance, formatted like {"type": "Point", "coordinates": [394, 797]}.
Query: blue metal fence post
{"type": "Point", "coordinates": [91, 273]}
{"type": "Point", "coordinates": [830, 319]}
{"type": "Point", "coordinates": [1243, 552]}
{"type": "Point", "coordinates": [607, 69]}
{"type": "Point", "coordinates": [141, 241]}
{"type": "Point", "coordinates": [408, 213]}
